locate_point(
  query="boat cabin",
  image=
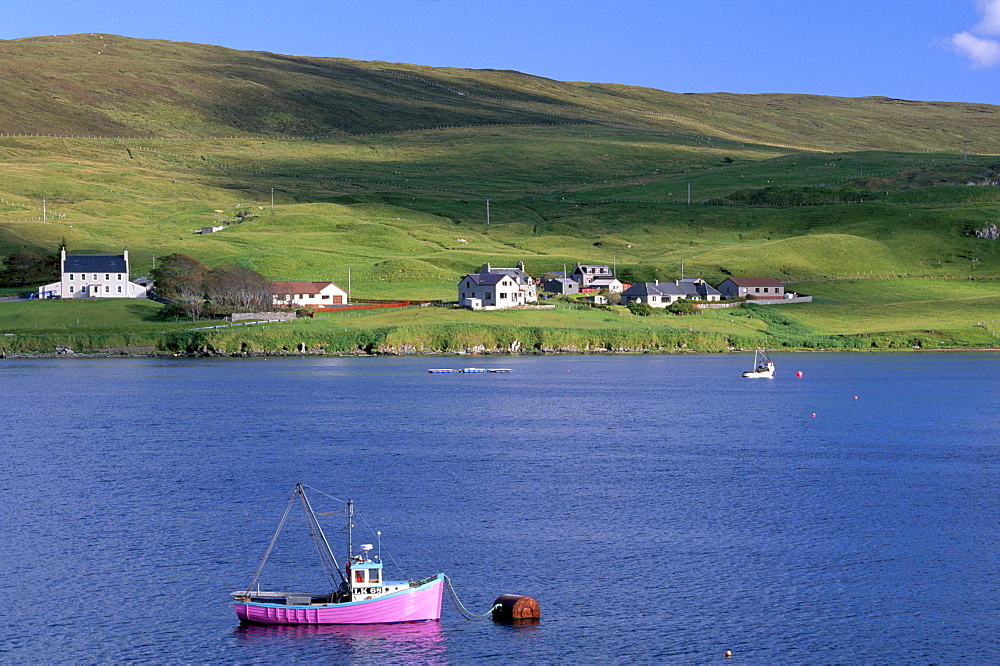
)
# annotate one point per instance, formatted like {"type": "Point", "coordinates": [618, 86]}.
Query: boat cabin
{"type": "Point", "coordinates": [364, 575]}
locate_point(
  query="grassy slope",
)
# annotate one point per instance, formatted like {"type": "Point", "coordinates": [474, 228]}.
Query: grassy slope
{"type": "Point", "coordinates": [405, 211]}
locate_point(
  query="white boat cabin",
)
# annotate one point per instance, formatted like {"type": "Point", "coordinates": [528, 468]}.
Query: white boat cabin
{"type": "Point", "coordinates": [365, 577]}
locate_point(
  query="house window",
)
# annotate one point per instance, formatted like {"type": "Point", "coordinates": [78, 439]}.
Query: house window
{"type": "Point", "coordinates": [504, 295]}
{"type": "Point", "coordinates": [107, 289]}
{"type": "Point", "coordinates": [489, 295]}
{"type": "Point", "coordinates": [326, 297]}
{"type": "Point", "coordinates": [107, 276]}
{"type": "Point", "coordinates": [70, 276]}
{"type": "Point", "coordinates": [119, 289]}
{"type": "Point", "coordinates": [756, 290]}
{"type": "Point", "coordinates": [765, 290]}
{"type": "Point", "coordinates": [119, 277]}
{"type": "Point", "coordinates": [95, 276]}
{"type": "Point", "coordinates": [71, 289]}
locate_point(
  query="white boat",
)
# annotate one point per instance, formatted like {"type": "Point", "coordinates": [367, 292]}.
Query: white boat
{"type": "Point", "coordinates": [762, 366]}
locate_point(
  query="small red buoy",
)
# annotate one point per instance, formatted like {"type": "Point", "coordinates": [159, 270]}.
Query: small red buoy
{"type": "Point", "coordinates": [798, 373]}
{"type": "Point", "coordinates": [855, 397]}
{"type": "Point", "coordinates": [814, 414]}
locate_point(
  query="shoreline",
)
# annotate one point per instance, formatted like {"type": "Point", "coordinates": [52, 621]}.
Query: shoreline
{"type": "Point", "coordinates": [216, 354]}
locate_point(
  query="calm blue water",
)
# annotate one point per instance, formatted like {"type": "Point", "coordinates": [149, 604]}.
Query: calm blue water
{"type": "Point", "coordinates": [660, 508]}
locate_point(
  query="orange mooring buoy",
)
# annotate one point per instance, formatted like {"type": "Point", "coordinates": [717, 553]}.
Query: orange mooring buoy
{"type": "Point", "coordinates": [513, 607]}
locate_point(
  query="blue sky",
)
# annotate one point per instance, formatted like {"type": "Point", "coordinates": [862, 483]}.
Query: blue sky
{"type": "Point", "coordinates": [947, 50]}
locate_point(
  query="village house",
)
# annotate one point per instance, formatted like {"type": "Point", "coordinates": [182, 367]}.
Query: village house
{"type": "Point", "coordinates": [562, 286]}
{"type": "Point", "coordinates": [93, 276]}
{"type": "Point", "coordinates": [752, 287]}
{"type": "Point", "coordinates": [661, 294]}
{"type": "Point", "coordinates": [698, 290]}
{"type": "Point", "coordinates": [525, 283]}
{"type": "Point", "coordinates": [595, 277]}
{"type": "Point", "coordinates": [489, 291]}
{"type": "Point", "coordinates": [655, 294]}
{"type": "Point", "coordinates": [307, 294]}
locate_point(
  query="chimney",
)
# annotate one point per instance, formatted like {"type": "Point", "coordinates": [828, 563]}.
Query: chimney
{"type": "Point", "coordinates": [485, 269]}
{"type": "Point", "coordinates": [656, 282]}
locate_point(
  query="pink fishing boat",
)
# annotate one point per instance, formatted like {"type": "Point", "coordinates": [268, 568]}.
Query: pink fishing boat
{"type": "Point", "coordinates": [359, 594]}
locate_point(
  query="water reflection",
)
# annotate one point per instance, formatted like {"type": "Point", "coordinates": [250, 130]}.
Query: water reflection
{"type": "Point", "coordinates": [419, 642]}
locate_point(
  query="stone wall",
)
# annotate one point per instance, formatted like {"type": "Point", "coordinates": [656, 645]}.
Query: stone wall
{"type": "Point", "coordinates": [262, 316]}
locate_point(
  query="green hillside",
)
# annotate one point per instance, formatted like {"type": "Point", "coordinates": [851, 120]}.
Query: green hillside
{"type": "Point", "coordinates": [384, 171]}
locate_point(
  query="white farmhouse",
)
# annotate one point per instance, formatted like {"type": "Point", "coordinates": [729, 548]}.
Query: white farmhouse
{"type": "Point", "coordinates": [525, 283]}
{"type": "Point", "coordinates": [489, 291]}
{"type": "Point", "coordinates": [93, 276]}
{"type": "Point", "coordinates": [307, 294]}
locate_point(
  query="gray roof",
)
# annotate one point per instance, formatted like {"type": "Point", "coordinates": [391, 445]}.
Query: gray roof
{"type": "Point", "coordinates": [485, 278]}
{"type": "Point", "coordinates": [698, 287]}
{"type": "Point", "coordinates": [694, 288]}
{"type": "Point", "coordinates": [658, 289]}
{"type": "Point", "coordinates": [94, 263]}
{"type": "Point", "coordinates": [519, 276]}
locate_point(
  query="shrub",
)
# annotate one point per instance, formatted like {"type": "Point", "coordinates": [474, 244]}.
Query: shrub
{"type": "Point", "coordinates": [641, 309]}
{"type": "Point", "coordinates": [682, 307]}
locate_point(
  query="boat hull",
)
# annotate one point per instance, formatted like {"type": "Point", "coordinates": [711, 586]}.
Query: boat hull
{"type": "Point", "coordinates": [417, 604]}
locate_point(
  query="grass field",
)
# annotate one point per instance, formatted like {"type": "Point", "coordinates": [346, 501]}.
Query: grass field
{"type": "Point", "coordinates": [380, 176]}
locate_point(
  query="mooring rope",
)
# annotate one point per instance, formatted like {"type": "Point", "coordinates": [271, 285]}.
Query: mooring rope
{"type": "Point", "coordinates": [465, 612]}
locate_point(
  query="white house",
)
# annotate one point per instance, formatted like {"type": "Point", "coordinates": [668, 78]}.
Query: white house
{"type": "Point", "coordinates": [525, 283]}
{"type": "Point", "coordinates": [698, 289]}
{"type": "Point", "coordinates": [597, 276]}
{"type": "Point", "coordinates": [489, 291]}
{"type": "Point", "coordinates": [307, 294]}
{"type": "Point", "coordinates": [655, 294]}
{"type": "Point", "coordinates": [93, 276]}
{"type": "Point", "coordinates": [661, 294]}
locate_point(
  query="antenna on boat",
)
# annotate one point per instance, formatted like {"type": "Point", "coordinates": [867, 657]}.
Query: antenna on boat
{"type": "Point", "coordinates": [350, 525]}
{"type": "Point", "coordinates": [379, 535]}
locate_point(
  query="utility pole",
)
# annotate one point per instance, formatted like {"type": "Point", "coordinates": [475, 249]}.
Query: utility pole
{"type": "Point", "coordinates": [348, 285]}
{"type": "Point", "coordinates": [614, 264]}
{"type": "Point", "coordinates": [487, 212]}
{"type": "Point", "coordinates": [689, 192]}
{"type": "Point", "coordinates": [965, 151]}
{"type": "Point", "coordinates": [272, 202]}
{"type": "Point", "coordinates": [43, 209]}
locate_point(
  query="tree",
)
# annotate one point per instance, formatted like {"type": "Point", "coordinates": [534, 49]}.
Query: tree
{"type": "Point", "coordinates": [178, 275]}
{"type": "Point", "coordinates": [230, 287]}
{"type": "Point", "coordinates": [26, 267]}
{"type": "Point", "coordinates": [181, 279]}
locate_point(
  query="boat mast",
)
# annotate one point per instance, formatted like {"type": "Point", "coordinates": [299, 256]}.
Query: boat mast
{"type": "Point", "coordinates": [319, 537]}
